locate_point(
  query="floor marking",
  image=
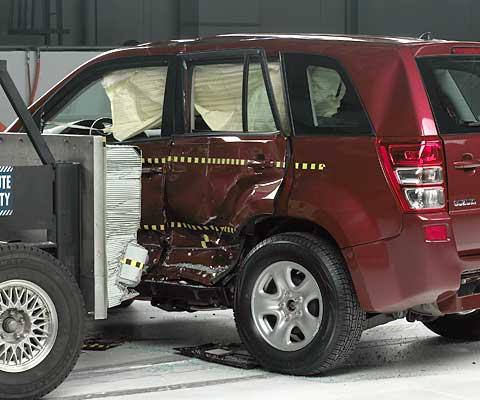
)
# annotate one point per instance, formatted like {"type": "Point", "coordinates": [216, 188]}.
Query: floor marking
{"type": "Point", "coordinates": [165, 388]}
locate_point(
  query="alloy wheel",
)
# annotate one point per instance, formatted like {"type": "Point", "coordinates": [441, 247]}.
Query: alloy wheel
{"type": "Point", "coordinates": [287, 306]}
{"type": "Point", "coordinates": [28, 325]}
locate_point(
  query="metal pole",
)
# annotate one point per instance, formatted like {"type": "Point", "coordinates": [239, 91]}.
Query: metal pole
{"type": "Point", "coordinates": [59, 16]}
{"type": "Point", "coordinates": [47, 21]}
{"type": "Point", "coordinates": [25, 117]}
{"type": "Point", "coordinates": [351, 16]}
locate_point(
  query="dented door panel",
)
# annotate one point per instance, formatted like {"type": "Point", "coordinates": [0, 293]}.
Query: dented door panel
{"type": "Point", "coordinates": [214, 185]}
{"type": "Point", "coordinates": [238, 193]}
{"type": "Point", "coordinates": [154, 229]}
{"type": "Point", "coordinates": [187, 172]}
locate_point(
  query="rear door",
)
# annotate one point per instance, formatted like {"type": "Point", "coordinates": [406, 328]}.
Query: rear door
{"type": "Point", "coordinates": [228, 158]}
{"type": "Point", "coordinates": [453, 85]}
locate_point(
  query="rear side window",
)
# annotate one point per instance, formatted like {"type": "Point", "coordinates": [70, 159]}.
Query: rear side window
{"type": "Point", "coordinates": [322, 98]}
{"type": "Point", "coordinates": [217, 97]}
{"type": "Point", "coordinates": [453, 86]}
{"type": "Point", "coordinates": [230, 97]}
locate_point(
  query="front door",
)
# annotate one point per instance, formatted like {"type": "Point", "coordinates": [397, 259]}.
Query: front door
{"type": "Point", "coordinates": [132, 95]}
{"type": "Point", "coordinates": [228, 159]}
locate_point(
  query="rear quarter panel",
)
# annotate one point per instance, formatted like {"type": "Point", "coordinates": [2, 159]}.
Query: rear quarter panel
{"type": "Point", "coordinates": [350, 198]}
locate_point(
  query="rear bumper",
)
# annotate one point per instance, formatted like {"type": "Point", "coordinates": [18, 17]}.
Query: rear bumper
{"type": "Point", "coordinates": [405, 271]}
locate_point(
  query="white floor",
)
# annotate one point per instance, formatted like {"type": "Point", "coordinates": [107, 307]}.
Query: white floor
{"type": "Point", "coordinates": [397, 361]}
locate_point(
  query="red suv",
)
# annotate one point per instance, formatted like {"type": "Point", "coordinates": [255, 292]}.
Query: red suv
{"type": "Point", "coordinates": [317, 184]}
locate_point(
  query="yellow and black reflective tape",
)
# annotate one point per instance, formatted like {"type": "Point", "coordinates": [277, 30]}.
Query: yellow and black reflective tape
{"type": "Point", "coordinates": [310, 166]}
{"type": "Point", "coordinates": [133, 263]}
{"type": "Point", "coordinates": [201, 160]}
{"type": "Point", "coordinates": [99, 344]}
{"type": "Point", "coordinates": [95, 347]}
{"type": "Point", "coordinates": [192, 227]}
{"type": "Point", "coordinates": [205, 241]}
{"type": "Point", "coordinates": [154, 160]}
{"type": "Point", "coordinates": [160, 227]}
{"type": "Point", "coordinates": [305, 166]}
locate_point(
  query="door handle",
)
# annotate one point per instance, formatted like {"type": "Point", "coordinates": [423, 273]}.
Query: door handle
{"type": "Point", "coordinates": [467, 162]}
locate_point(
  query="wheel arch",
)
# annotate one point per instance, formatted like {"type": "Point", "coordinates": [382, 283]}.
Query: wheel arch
{"type": "Point", "coordinates": [263, 227]}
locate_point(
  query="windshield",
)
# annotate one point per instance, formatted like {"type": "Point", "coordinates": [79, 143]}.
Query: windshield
{"type": "Point", "coordinates": [453, 86]}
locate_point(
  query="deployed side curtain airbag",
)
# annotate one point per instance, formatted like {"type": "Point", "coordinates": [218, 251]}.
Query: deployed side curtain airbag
{"type": "Point", "coordinates": [217, 96]}
{"type": "Point", "coordinates": [136, 97]}
{"type": "Point", "coordinates": [326, 91]}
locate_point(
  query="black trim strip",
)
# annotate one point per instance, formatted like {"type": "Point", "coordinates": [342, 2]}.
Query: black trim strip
{"type": "Point", "coordinates": [246, 70]}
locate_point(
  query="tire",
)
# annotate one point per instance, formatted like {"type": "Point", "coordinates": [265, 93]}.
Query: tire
{"type": "Point", "coordinates": [58, 303]}
{"type": "Point", "coordinates": [457, 326]}
{"type": "Point", "coordinates": [332, 321]}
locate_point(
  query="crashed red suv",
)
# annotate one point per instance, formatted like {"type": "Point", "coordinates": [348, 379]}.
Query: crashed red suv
{"type": "Point", "coordinates": [317, 184]}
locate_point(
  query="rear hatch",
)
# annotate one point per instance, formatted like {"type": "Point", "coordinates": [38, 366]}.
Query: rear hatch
{"type": "Point", "coordinates": [453, 86]}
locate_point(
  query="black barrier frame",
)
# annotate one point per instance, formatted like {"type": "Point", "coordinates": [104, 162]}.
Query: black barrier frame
{"type": "Point", "coordinates": [57, 183]}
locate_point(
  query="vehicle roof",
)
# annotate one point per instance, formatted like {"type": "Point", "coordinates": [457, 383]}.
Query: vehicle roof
{"type": "Point", "coordinates": [305, 42]}
{"type": "Point", "coordinates": [387, 61]}
{"type": "Point", "coordinates": [326, 37]}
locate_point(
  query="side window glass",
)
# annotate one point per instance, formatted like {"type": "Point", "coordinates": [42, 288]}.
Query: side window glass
{"type": "Point", "coordinates": [326, 91]}
{"type": "Point", "coordinates": [90, 103]}
{"type": "Point", "coordinates": [216, 103]}
{"type": "Point", "coordinates": [322, 98]}
{"type": "Point", "coordinates": [128, 102]}
{"type": "Point", "coordinates": [259, 112]}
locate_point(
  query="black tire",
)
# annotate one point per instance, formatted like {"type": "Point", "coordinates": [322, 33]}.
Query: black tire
{"type": "Point", "coordinates": [457, 326]}
{"type": "Point", "coordinates": [18, 262]}
{"type": "Point", "coordinates": [343, 318]}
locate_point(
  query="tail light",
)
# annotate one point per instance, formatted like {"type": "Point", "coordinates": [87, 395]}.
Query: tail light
{"type": "Point", "coordinates": [416, 174]}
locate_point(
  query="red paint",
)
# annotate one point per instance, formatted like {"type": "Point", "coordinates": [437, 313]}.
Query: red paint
{"type": "Point", "coordinates": [466, 50]}
{"type": "Point", "coordinates": [464, 184]}
{"type": "Point", "coordinates": [397, 258]}
{"type": "Point", "coordinates": [340, 198]}
{"type": "Point", "coordinates": [436, 233]}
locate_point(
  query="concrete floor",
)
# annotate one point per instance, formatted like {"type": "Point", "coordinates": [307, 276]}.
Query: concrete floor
{"type": "Point", "coordinates": [395, 361]}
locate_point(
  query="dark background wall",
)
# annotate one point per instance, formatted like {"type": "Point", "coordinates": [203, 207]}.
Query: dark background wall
{"type": "Point", "coordinates": [112, 22]}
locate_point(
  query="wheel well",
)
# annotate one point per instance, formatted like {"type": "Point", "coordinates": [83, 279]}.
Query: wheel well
{"type": "Point", "coordinates": [263, 228]}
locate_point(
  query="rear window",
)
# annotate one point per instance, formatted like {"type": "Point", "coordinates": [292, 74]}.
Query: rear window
{"type": "Point", "coordinates": [453, 86]}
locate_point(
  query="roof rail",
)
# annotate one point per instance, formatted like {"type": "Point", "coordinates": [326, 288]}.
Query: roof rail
{"type": "Point", "coordinates": [426, 36]}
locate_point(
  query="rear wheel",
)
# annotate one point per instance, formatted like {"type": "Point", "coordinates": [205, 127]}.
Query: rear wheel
{"type": "Point", "coordinates": [465, 326]}
{"type": "Point", "coordinates": [41, 323]}
{"type": "Point", "coordinates": [295, 306]}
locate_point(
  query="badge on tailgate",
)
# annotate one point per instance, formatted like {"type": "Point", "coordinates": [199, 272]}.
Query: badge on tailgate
{"type": "Point", "coordinates": [6, 186]}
